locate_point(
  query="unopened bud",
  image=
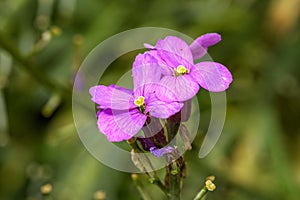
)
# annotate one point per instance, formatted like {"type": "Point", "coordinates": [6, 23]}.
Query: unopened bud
{"type": "Point", "coordinates": [99, 195]}
{"type": "Point", "coordinates": [174, 169]}
{"type": "Point", "coordinates": [134, 177]}
{"type": "Point", "coordinates": [211, 178]}
{"type": "Point", "coordinates": [46, 189]}
{"type": "Point", "coordinates": [210, 185]}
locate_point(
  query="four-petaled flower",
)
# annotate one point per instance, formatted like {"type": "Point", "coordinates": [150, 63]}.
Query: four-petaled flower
{"type": "Point", "coordinates": [180, 75]}
{"type": "Point", "coordinates": [123, 112]}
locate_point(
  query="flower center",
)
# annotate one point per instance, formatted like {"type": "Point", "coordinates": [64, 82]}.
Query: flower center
{"type": "Point", "coordinates": [139, 101]}
{"type": "Point", "coordinates": [181, 70]}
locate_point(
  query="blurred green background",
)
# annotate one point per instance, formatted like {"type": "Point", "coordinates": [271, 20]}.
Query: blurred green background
{"type": "Point", "coordinates": [43, 42]}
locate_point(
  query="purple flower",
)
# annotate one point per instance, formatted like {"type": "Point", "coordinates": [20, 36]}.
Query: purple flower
{"type": "Point", "coordinates": [123, 112]}
{"type": "Point", "coordinates": [181, 76]}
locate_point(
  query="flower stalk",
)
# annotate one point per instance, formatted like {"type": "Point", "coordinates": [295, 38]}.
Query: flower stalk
{"type": "Point", "coordinates": [174, 181]}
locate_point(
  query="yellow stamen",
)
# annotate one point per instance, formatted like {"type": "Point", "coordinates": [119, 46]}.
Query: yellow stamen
{"type": "Point", "coordinates": [139, 101]}
{"type": "Point", "coordinates": [180, 70]}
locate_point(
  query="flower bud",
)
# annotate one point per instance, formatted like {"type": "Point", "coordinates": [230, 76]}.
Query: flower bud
{"type": "Point", "coordinates": [210, 185]}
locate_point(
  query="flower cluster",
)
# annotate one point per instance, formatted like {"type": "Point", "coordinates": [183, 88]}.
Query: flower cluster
{"type": "Point", "coordinates": [165, 78]}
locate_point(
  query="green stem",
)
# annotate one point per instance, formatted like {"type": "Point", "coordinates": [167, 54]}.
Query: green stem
{"type": "Point", "coordinates": [174, 187]}
{"type": "Point", "coordinates": [30, 66]}
{"type": "Point", "coordinates": [174, 174]}
{"type": "Point", "coordinates": [201, 195]}
{"type": "Point", "coordinates": [176, 170]}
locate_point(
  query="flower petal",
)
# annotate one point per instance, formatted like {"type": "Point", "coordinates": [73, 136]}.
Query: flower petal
{"type": "Point", "coordinates": [160, 152]}
{"type": "Point", "coordinates": [146, 73]}
{"type": "Point", "coordinates": [165, 69]}
{"type": "Point", "coordinates": [162, 109]}
{"type": "Point", "coordinates": [209, 39]}
{"type": "Point", "coordinates": [112, 96]}
{"type": "Point", "coordinates": [200, 45]}
{"type": "Point", "coordinates": [212, 76]}
{"type": "Point", "coordinates": [172, 60]}
{"type": "Point", "coordinates": [145, 59]}
{"type": "Point", "coordinates": [176, 46]}
{"type": "Point", "coordinates": [120, 125]}
{"type": "Point", "coordinates": [128, 91]}
{"type": "Point", "coordinates": [180, 88]}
